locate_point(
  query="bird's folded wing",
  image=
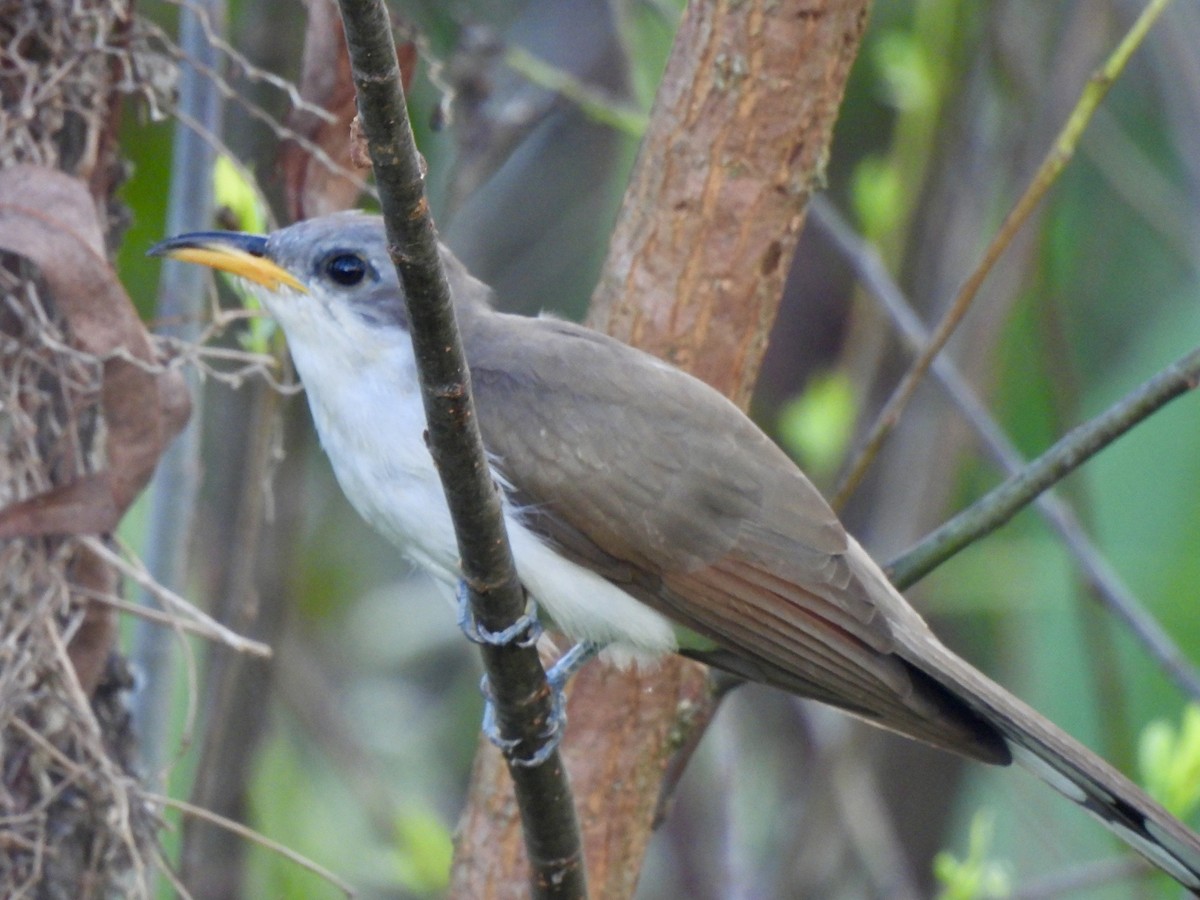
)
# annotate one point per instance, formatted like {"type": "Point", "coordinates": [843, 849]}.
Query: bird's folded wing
{"type": "Point", "coordinates": [659, 484]}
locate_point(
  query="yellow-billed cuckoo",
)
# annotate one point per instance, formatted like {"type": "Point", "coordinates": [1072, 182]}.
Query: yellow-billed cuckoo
{"type": "Point", "coordinates": [646, 513]}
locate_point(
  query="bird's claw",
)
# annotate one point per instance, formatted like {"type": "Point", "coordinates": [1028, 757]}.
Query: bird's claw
{"type": "Point", "coordinates": [524, 632]}
{"type": "Point", "coordinates": [548, 739]}
{"type": "Point", "coordinates": [556, 723]}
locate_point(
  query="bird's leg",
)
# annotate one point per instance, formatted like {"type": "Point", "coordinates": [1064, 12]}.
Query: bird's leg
{"type": "Point", "coordinates": [571, 662]}
{"type": "Point", "coordinates": [556, 723]}
{"type": "Point", "coordinates": [524, 632]}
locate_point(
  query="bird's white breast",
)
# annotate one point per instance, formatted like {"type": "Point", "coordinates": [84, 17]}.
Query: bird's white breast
{"type": "Point", "coordinates": [368, 412]}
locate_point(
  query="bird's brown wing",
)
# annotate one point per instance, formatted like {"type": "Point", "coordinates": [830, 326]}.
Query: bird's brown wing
{"type": "Point", "coordinates": [660, 484]}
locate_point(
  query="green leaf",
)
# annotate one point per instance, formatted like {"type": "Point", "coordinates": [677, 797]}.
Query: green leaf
{"type": "Point", "coordinates": [878, 196]}
{"type": "Point", "coordinates": [816, 426]}
{"type": "Point", "coordinates": [236, 195]}
{"type": "Point", "coordinates": [976, 876]}
{"type": "Point", "coordinates": [239, 199]}
{"type": "Point", "coordinates": [1170, 762]}
{"type": "Point", "coordinates": [905, 70]}
{"type": "Point", "coordinates": [425, 850]}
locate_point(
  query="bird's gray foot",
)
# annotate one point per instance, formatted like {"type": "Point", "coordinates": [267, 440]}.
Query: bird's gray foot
{"type": "Point", "coordinates": [524, 632]}
{"type": "Point", "coordinates": [556, 723]}
{"type": "Point", "coordinates": [548, 739]}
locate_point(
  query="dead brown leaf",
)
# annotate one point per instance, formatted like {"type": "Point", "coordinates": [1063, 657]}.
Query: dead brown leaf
{"type": "Point", "coordinates": [49, 218]}
{"type": "Point", "coordinates": [93, 640]}
{"type": "Point", "coordinates": [311, 186]}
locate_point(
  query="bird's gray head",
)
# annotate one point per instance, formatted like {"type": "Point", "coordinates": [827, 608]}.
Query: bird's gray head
{"type": "Point", "coordinates": [322, 279]}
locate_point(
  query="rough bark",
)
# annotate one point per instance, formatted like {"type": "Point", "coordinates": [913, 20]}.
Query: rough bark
{"type": "Point", "coordinates": [738, 140]}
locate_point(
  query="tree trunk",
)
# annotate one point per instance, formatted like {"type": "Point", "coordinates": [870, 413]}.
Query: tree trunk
{"type": "Point", "coordinates": [738, 137]}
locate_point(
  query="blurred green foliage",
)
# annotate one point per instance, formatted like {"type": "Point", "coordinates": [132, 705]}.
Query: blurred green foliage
{"type": "Point", "coordinates": [424, 850]}
{"type": "Point", "coordinates": [976, 876]}
{"type": "Point", "coordinates": [647, 30]}
{"type": "Point", "coordinates": [816, 426]}
{"type": "Point", "coordinates": [1170, 762]}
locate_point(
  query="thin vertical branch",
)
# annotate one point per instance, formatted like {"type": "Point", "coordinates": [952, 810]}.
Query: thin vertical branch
{"type": "Point", "coordinates": [180, 306]}
{"type": "Point", "coordinates": [518, 684]}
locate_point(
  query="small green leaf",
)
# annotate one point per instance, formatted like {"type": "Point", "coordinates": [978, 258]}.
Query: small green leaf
{"type": "Point", "coordinates": [1170, 762]}
{"type": "Point", "coordinates": [878, 197]}
{"type": "Point", "coordinates": [424, 852]}
{"type": "Point", "coordinates": [239, 200]}
{"type": "Point", "coordinates": [237, 196]}
{"type": "Point", "coordinates": [905, 70]}
{"type": "Point", "coordinates": [816, 426]}
{"type": "Point", "coordinates": [976, 876]}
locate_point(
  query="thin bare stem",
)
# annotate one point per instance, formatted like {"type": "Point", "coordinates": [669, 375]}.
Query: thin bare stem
{"type": "Point", "coordinates": [1068, 453]}
{"type": "Point", "coordinates": [1106, 585]}
{"type": "Point", "coordinates": [523, 699]}
{"type": "Point", "coordinates": [204, 623]}
{"type": "Point", "coordinates": [1047, 174]}
{"type": "Point", "coordinates": [597, 104]}
{"type": "Point", "coordinates": [250, 834]}
{"type": "Point", "coordinates": [181, 293]}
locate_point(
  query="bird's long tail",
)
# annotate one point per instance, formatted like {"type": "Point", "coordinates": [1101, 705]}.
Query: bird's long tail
{"type": "Point", "coordinates": [1074, 771]}
{"type": "Point", "coordinates": [1041, 747]}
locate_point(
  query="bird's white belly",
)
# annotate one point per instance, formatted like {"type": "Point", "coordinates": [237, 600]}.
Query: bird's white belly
{"type": "Point", "coordinates": [378, 452]}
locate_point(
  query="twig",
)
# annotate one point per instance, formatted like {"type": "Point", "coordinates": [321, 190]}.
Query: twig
{"type": "Point", "coordinates": [1083, 878]}
{"type": "Point", "coordinates": [250, 834]}
{"type": "Point", "coordinates": [204, 624]}
{"type": "Point", "coordinates": [152, 588]}
{"type": "Point", "coordinates": [102, 764]}
{"type": "Point", "coordinates": [1105, 584]}
{"type": "Point", "coordinates": [164, 866]}
{"type": "Point", "coordinates": [209, 67]}
{"type": "Point", "coordinates": [158, 617]}
{"type": "Point", "coordinates": [1053, 164]}
{"type": "Point", "coordinates": [597, 104]}
{"type": "Point", "coordinates": [243, 65]}
{"type": "Point", "coordinates": [1068, 453]}
{"type": "Point", "coordinates": [521, 695]}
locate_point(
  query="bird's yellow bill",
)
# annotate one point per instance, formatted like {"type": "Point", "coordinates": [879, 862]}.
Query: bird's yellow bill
{"type": "Point", "coordinates": [237, 262]}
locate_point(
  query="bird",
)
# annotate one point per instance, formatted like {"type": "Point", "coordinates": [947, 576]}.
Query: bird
{"type": "Point", "coordinates": [647, 514]}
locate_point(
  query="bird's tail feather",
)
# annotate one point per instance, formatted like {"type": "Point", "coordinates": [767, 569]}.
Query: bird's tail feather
{"type": "Point", "coordinates": [1073, 770]}
{"type": "Point", "coordinates": [1038, 745]}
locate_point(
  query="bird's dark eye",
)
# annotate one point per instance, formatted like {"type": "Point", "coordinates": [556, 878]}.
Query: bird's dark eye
{"type": "Point", "coordinates": [346, 269]}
